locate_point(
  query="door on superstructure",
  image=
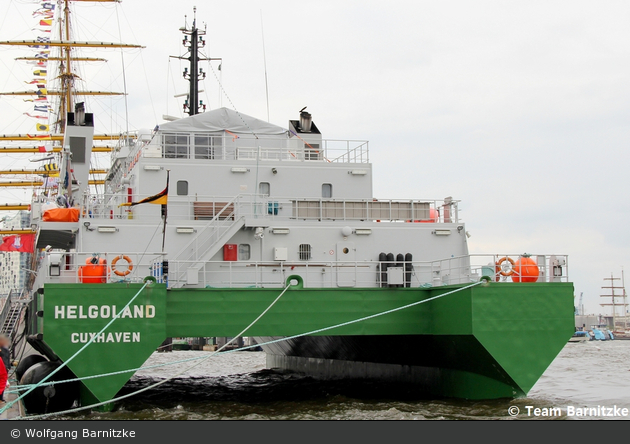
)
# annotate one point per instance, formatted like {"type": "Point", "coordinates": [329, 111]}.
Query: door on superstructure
{"type": "Point", "coordinates": [346, 265]}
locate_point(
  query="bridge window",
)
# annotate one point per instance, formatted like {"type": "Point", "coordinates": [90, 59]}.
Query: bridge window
{"type": "Point", "coordinates": [175, 146]}
{"type": "Point", "coordinates": [205, 146]}
{"type": "Point", "coordinates": [312, 151]}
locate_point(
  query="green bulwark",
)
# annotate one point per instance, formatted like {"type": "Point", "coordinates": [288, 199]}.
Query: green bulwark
{"type": "Point", "coordinates": [486, 342]}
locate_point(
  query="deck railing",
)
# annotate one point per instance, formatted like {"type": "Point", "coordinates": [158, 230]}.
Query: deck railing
{"type": "Point", "coordinates": [284, 208]}
{"type": "Point", "coordinates": [327, 274]}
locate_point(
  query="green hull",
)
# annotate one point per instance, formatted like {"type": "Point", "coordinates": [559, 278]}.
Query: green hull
{"type": "Point", "coordinates": [485, 342]}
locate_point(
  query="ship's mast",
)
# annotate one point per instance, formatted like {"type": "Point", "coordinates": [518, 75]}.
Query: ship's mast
{"type": "Point", "coordinates": [66, 93]}
{"type": "Point", "coordinates": [66, 75]}
{"type": "Point", "coordinates": [193, 105]}
{"type": "Point", "coordinates": [614, 303]}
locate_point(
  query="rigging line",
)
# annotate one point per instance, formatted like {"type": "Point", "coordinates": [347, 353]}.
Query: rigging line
{"type": "Point", "coordinates": [287, 338]}
{"type": "Point", "coordinates": [157, 384]}
{"type": "Point", "coordinates": [230, 100]}
{"type": "Point", "coordinates": [148, 245]}
{"type": "Point", "coordinates": [168, 68]}
{"type": "Point", "coordinates": [124, 76]}
{"type": "Point", "coordinates": [262, 31]}
{"type": "Point", "coordinates": [144, 68]}
{"type": "Point", "coordinates": [65, 363]}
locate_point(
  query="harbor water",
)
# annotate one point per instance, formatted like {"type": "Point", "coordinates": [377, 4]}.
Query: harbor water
{"type": "Point", "coordinates": [593, 375]}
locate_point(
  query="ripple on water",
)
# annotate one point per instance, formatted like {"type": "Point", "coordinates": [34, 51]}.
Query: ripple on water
{"type": "Point", "coordinates": [237, 386]}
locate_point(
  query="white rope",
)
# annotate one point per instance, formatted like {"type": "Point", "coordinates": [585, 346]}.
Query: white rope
{"type": "Point", "coordinates": [64, 364]}
{"type": "Point", "coordinates": [219, 351]}
{"type": "Point", "coordinates": [170, 377]}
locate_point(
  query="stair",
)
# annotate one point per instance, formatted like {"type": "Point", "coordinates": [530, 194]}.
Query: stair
{"type": "Point", "coordinates": [13, 317]}
{"type": "Point", "coordinates": [185, 267]}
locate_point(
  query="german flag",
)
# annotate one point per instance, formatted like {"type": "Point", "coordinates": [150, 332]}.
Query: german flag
{"type": "Point", "coordinates": [160, 198]}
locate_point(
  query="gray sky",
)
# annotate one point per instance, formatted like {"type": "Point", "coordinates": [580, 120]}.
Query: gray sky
{"type": "Point", "coordinates": [521, 110]}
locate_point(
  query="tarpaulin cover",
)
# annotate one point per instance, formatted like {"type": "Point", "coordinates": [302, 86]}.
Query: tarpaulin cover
{"type": "Point", "coordinates": [222, 119]}
{"type": "Point", "coordinates": [61, 215]}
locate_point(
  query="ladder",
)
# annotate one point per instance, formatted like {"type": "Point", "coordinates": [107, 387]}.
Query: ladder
{"type": "Point", "coordinates": [12, 319]}
{"type": "Point", "coordinates": [11, 312]}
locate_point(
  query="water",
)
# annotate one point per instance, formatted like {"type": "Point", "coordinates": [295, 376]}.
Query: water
{"type": "Point", "coordinates": [237, 386]}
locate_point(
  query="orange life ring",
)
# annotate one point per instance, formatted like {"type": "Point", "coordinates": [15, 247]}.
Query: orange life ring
{"type": "Point", "coordinates": [129, 265]}
{"type": "Point", "coordinates": [499, 269]}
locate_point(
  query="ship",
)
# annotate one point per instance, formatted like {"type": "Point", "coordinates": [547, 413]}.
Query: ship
{"type": "Point", "coordinates": [221, 224]}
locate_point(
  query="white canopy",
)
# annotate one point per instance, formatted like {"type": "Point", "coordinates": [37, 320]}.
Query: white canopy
{"type": "Point", "coordinates": [222, 119]}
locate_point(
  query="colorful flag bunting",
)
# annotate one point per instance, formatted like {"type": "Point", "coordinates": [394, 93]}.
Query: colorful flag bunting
{"type": "Point", "coordinates": [44, 148]}
{"type": "Point", "coordinates": [36, 117]}
{"type": "Point", "coordinates": [42, 127]}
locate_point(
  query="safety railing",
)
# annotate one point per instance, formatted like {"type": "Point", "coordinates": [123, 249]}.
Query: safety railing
{"type": "Point", "coordinates": [369, 274]}
{"type": "Point", "coordinates": [6, 308]}
{"type": "Point", "coordinates": [242, 147]}
{"type": "Point", "coordinates": [100, 268]}
{"type": "Point", "coordinates": [283, 208]}
{"type": "Point", "coordinates": [114, 267]}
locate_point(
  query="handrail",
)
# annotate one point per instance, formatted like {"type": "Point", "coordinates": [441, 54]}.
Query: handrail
{"type": "Point", "coordinates": [211, 223]}
{"type": "Point", "coordinates": [6, 309]}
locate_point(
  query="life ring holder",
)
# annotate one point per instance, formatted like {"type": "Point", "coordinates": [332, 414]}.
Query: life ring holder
{"type": "Point", "coordinates": [500, 271]}
{"type": "Point", "coordinates": [129, 265]}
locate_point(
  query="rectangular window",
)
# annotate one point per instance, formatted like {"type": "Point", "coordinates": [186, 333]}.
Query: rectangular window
{"type": "Point", "coordinates": [304, 252]}
{"type": "Point", "coordinates": [312, 151]}
{"type": "Point", "coordinates": [175, 146]}
{"type": "Point", "coordinates": [326, 190]}
{"type": "Point", "coordinates": [182, 188]}
{"type": "Point", "coordinates": [244, 252]}
{"type": "Point", "coordinates": [264, 188]}
{"type": "Point", "coordinates": [77, 148]}
{"type": "Point", "coordinates": [205, 146]}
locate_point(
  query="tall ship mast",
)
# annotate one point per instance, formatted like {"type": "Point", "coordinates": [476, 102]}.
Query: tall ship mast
{"type": "Point", "coordinates": [618, 302]}
{"type": "Point", "coordinates": [220, 224]}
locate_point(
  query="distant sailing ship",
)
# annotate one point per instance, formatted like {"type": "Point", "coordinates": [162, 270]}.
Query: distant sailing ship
{"type": "Point", "coordinates": [617, 300]}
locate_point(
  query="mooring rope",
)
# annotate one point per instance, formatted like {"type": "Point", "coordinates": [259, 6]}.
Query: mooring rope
{"type": "Point", "coordinates": [219, 351]}
{"type": "Point", "coordinates": [64, 364]}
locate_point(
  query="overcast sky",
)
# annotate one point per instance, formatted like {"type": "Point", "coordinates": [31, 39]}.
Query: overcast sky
{"type": "Point", "coordinates": [521, 110]}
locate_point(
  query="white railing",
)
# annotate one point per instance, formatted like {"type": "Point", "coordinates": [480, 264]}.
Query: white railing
{"type": "Point", "coordinates": [227, 147]}
{"type": "Point", "coordinates": [369, 274]}
{"type": "Point", "coordinates": [316, 274]}
{"type": "Point", "coordinates": [71, 271]}
{"type": "Point", "coordinates": [286, 208]}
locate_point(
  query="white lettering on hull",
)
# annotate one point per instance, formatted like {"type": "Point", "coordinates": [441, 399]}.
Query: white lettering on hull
{"type": "Point", "coordinates": [124, 336]}
{"type": "Point", "coordinates": [103, 312]}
